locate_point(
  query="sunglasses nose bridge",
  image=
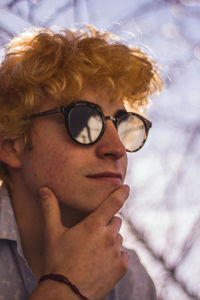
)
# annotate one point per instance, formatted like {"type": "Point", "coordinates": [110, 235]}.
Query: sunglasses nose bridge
{"type": "Point", "coordinates": [113, 119]}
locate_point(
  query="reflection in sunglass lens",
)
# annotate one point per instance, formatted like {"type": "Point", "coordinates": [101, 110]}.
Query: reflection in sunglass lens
{"type": "Point", "coordinates": [131, 130]}
{"type": "Point", "coordinates": [85, 124]}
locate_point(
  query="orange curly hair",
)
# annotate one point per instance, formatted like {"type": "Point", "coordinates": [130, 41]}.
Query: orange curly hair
{"type": "Point", "coordinates": [42, 63]}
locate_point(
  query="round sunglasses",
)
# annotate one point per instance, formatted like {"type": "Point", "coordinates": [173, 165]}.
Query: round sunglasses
{"type": "Point", "coordinates": [86, 123]}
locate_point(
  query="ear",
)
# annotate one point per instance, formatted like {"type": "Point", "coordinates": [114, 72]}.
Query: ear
{"type": "Point", "coordinates": [10, 152]}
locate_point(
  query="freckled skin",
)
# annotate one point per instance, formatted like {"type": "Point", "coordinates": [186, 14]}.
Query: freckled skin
{"type": "Point", "coordinates": [58, 162]}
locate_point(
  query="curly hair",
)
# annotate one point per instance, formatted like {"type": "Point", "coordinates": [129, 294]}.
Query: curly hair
{"type": "Point", "coordinates": [40, 64]}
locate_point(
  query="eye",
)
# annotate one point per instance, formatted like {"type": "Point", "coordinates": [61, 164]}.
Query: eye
{"type": "Point", "coordinates": [120, 113]}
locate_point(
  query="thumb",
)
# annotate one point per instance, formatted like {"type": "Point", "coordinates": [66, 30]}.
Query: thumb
{"type": "Point", "coordinates": [51, 212]}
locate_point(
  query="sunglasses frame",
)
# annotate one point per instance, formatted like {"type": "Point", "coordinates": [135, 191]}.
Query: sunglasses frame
{"type": "Point", "coordinates": [65, 110]}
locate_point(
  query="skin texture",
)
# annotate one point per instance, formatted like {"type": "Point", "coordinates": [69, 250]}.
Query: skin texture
{"type": "Point", "coordinates": [61, 164]}
{"type": "Point", "coordinates": [96, 267]}
{"type": "Point", "coordinates": [76, 206]}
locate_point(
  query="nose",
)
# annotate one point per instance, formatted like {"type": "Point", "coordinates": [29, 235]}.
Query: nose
{"type": "Point", "coordinates": [110, 144]}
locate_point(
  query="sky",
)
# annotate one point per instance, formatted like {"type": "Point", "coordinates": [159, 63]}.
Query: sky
{"type": "Point", "coordinates": [164, 175]}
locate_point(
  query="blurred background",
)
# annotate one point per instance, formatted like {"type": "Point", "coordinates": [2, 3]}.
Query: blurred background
{"type": "Point", "coordinates": [162, 215]}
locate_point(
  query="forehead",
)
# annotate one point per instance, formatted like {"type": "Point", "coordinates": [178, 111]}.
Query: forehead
{"type": "Point", "coordinates": [109, 106]}
{"type": "Point", "coordinates": [101, 98]}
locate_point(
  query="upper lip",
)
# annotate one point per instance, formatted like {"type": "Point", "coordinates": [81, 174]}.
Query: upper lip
{"type": "Point", "coordinates": [106, 174]}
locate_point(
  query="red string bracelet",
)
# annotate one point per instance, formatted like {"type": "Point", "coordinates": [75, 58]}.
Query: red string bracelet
{"type": "Point", "coordinates": [62, 279]}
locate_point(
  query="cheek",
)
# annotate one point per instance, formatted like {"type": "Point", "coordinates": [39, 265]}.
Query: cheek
{"type": "Point", "coordinates": [53, 165]}
{"type": "Point", "coordinates": [46, 165]}
{"type": "Point", "coordinates": [126, 164]}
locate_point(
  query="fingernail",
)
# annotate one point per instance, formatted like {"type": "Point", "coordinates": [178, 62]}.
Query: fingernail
{"type": "Point", "coordinates": [127, 187]}
{"type": "Point", "coordinates": [43, 193]}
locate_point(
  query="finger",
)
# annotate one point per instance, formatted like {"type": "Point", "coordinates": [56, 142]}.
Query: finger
{"type": "Point", "coordinates": [119, 240]}
{"type": "Point", "coordinates": [110, 206]}
{"type": "Point", "coordinates": [114, 225]}
{"type": "Point", "coordinates": [123, 262]}
{"type": "Point", "coordinates": [125, 257]}
{"type": "Point", "coordinates": [51, 211]}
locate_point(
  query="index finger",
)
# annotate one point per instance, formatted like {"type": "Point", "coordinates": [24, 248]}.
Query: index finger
{"type": "Point", "coordinates": [111, 205]}
{"type": "Point", "coordinates": [51, 212]}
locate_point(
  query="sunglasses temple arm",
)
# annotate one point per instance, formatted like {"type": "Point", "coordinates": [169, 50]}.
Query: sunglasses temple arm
{"type": "Point", "coordinates": [46, 113]}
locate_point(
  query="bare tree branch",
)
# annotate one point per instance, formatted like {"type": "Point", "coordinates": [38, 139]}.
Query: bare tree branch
{"type": "Point", "coordinates": [170, 270]}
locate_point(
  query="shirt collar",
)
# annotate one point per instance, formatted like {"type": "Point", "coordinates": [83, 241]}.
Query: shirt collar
{"type": "Point", "coordinates": [8, 226]}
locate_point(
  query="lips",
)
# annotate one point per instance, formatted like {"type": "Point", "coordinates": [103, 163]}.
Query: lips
{"type": "Point", "coordinates": [115, 178]}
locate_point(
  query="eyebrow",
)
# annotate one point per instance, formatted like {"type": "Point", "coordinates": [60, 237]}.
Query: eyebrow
{"type": "Point", "coordinates": [119, 113]}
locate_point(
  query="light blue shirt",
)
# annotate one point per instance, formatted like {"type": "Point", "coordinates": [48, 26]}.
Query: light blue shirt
{"type": "Point", "coordinates": [17, 281]}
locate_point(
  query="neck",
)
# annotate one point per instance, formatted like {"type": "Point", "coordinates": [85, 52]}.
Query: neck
{"type": "Point", "coordinates": [30, 222]}
{"type": "Point", "coordinates": [71, 217]}
{"type": "Point", "coordinates": [31, 228]}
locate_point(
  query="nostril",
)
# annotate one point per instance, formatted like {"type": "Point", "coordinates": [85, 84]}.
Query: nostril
{"type": "Point", "coordinates": [110, 145]}
{"type": "Point", "coordinates": [109, 154]}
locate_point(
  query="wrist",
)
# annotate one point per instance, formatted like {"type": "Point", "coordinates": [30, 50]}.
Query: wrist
{"type": "Point", "coordinates": [63, 280]}
{"type": "Point", "coordinates": [53, 290]}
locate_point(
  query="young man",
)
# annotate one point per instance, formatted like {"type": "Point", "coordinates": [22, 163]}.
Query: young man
{"type": "Point", "coordinates": [64, 134]}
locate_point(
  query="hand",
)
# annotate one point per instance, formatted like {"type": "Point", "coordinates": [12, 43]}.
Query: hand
{"type": "Point", "coordinates": [89, 253]}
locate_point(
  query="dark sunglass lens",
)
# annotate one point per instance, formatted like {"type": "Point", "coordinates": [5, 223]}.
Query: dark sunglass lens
{"type": "Point", "coordinates": [132, 132]}
{"type": "Point", "coordinates": [85, 124]}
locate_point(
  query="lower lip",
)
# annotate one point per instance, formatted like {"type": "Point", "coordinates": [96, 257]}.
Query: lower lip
{"type": "Point", "coordinates": [115, 180]}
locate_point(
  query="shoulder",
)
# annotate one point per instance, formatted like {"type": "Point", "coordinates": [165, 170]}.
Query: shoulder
{"type": "Point", "coordinates": [136, 284]}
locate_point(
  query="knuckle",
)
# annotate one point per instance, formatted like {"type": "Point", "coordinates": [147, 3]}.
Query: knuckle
{"type": "Point", "coordinates": [97, 225]}
{"type": "Point", "coordinates": [93, 227]}
{"type": "Point", "coordinates": [117, 219]}
{"type": "Point", "coordinates": [115, 224]}
{"type": "Point", "coordinates": [117, 253]}
{"type": "Point", "coordinates": [123, 266]}
{"type": "Point", "coordinates": [119, 239]}
{"type": "Point", "coordinates": [126, 190]}
{"type": "Point", "coordinates": [118, 201]}
{"type": "Point", "coordinates": [122, 262]}
{"type": "Point", "coordinates": [110, 239]}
